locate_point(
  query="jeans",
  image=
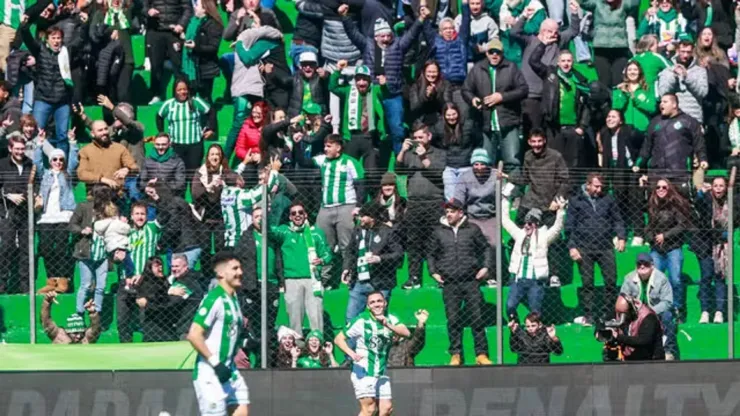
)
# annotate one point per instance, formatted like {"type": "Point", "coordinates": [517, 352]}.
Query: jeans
{"type": "Point", "coordinates": [450, 178]}
{"type": "Point", "coordinates": [710, 278]}
{"type": "Point", "coordinates": [28, 98]}
{"type": "Point", "coordinates": [192, 255]}
{"type": "Point", "coordinates": [358, 298]}
{"type": "Point", "coordinates": [87, 269]}
{"type": "Point", "coordinates": [507, 140]}
{"type": "Point", "coordinates": [42, 111]}
{"type": "Point", "coordinates": [672, 262]}
{"type": "Point", "coordinates": [669, 330]}
{"type": "Point", "coordinates": [533, 289]}
{"type": "Point", "coordinates": [393, 108]}
{"type": "Point", "coordinates": [131, 188]}
{"type": "Point", "coordinates": [556, 10]}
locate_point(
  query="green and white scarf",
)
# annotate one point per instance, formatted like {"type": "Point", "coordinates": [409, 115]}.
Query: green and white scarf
{"type": "Point", "coordinates": [64, 69]}
{"type": "Point", "coordinates": [188, 63]}
{"type": "Point", "coordinates": [316, 285]}
{"type": "Point", "coordinates": [734, 133]}
{"type": "Point", "coordinates": [307, 97]}
{"type": "Point", "coordinates": [115, 17]}
{"type": "Point", "coordinates": [354, 111]}
{"type": "Point", "coordinates": [494, 114]}
{"type": "Point", "coordinates": [363, 269]}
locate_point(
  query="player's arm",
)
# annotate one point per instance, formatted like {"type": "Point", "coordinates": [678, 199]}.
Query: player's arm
{"type": "Point", "coordinates": [398, 329]}
{"type": "Point", "coordinates": [197, 338]}
{"type": "Point", "coordinates": [341, 342]}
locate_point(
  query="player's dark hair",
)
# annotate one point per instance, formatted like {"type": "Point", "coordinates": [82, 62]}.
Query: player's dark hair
{"type": "Point", "coordinates": [223, 257]}
{"type": "Point", "coordinates": [376, 292]}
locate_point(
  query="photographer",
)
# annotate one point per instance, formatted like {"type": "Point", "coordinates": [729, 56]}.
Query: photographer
{"type": "Point", "coordinates": [643, 338]}
{"type": "Point", "coordinates": [651, 287]}
{"type": "Point", "coordinates": [534, 345]}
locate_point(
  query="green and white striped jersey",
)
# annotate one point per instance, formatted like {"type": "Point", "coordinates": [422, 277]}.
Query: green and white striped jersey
{"type": "Point", "coordinates": [337, 180]}
{"type": "Point", "coordinates": [373, 342]}
{"type": "Point", "coordinates": [11, 12]}
{"type": "Point", "coordinates": [143, 244]}
{"type": "Point", "coordinates": [97, 248]}
{"type": "Point", "coordinates": [184, 119]}
{"type": "Point", "coordinates": [219, 314]}
{"type": "Point", "coordinates": [236, 208]}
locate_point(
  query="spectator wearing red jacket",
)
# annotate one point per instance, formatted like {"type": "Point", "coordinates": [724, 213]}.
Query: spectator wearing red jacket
{"type": "Point", "coordinates": [250, 134]}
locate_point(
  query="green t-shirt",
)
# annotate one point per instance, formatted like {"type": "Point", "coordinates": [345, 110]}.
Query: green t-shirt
{"type": "Point", "coordinates": [308, 361]}
{"type": "Point", "coordinates": [643, 292]}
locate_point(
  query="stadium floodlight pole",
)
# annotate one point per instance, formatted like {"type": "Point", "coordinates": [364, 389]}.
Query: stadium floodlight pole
{"type": "Point", "coordinates": [730, 266]}
{"type": "Point", "coordinates": [499, 277]}
{"type": "Point", "coordinates": [263, 273]}
{"type": "Point", "coordinates": [31, 265]}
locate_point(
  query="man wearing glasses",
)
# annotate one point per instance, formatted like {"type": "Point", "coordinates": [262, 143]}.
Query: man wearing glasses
{"type": "Point", "coordinates": [651, 287]}
{"type": "Point", "coordinates": [495, 87]}
{"type": "Point", "coordinates": [304, 251]}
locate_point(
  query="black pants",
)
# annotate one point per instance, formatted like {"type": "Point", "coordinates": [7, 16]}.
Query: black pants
{"type": "Point", "coordinates": [251, 306]}
{"type": "Point", "coordinates": [129, 315]}
{"type": "Point", "coordinates": [531, 116]}
{"type": "Point", "coordinates": [464, 301]}
{"type": "Point", "coordinates": [607, 263]}
{"type": "Point", "coordinates": [630, 199]}
{"type": "Point", "coordinates": [205, 91]}
{"type": "Point", "coordinates": [569, 143]}
{"type": "Point", "coordinates": [53, 240]}
{"type": "Point", "coordinates": [360, 147]}
{"type": "Point", "coordinates": [14, 256]}
{"type": "Point", "coordinates": [191, 155]}
{"type": "Point", "coordinates": [610, 63]}
{"type": "Point", "coordinates": [160, 45]}
{"type": "Point", "coordinates": [421, 218]}
{"type": "Point", "coordinates": [159, 324]}
{"type": "Point", "coordinates": [120, 92]}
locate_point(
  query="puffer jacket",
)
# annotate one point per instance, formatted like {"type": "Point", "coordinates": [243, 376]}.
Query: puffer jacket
{"type": "Point", "coordinates": [16, 66]}
{"type": "Point", "coordinates": [509, 82]}
{"type": "Point", "coordinates": [66, 182]}
{"type": "Point", "coordinates": [171, 172]}
{"type": "Point", "coordinates": [452, 56]}
{"type": "Point", "coordinates": [114, 232]}
{"type": "Point", "coordinates": [539, 244]}
{"type": "Point", "coordinates": [49, 86]}
{"type": "Point", "coordinates": [335, 44]}
{"type": "Point", "coordinates": [458, 255]}
{"type": "Point", "coordinates": [205, 52]}
{"type": "Point", "coordinates": [171, 12]}
{"type": "Point", "coordinates": [106, 63]}
{"type": "Point", "coordinates": [309, 23]}
{"type": "Point", "coordinates": [319, 94]}
{"type": "Point", "coordinates": [690, 91]}
{"type": "Point", "coordinates": [611, 28]}
{"type": "Point", "coordinates": [393, 55]}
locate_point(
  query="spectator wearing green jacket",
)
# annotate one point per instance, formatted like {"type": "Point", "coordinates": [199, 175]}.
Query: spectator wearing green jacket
{"type": "Point", "coordinates": [362, 114]}
{"type": "Point", "coordinates": [634, 98]}
{"type": "Point", "coordinates": [650, 60]}
{"type": "Point", "coordinates": [304, 251]}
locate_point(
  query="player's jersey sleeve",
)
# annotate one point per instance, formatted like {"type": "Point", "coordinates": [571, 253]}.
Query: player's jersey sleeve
{"type": "Point", "coordinates": [393, 319]}
{"type": "Point", "coordinates": [319, 160]}
{"type": "Point", "coordinates": [354, 329]}
{"type": "Point", "coordinates": [208, 312]}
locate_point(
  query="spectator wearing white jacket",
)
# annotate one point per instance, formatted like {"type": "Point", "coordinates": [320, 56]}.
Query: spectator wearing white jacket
{"type": "Point", "coordinates": [482, 30]}
{"type": "Point", "coordinates": [114, 231]}
{"type": "Point", "coordinates": [528, 263]}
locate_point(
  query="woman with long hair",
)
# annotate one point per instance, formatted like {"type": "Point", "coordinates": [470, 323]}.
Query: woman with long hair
{"type": "Point", "coordinates": [389, 198]}
{"type": "Point", "coordinates": [56, 201]}
{"type": "Point", "coordinates": [205, 189]}
{"type": "Point", "coordinates": [455, 134]}
{"type": "Point", "coordinates": [250, 135]}
{"type": "Point", "coordinates": [316, 353]}
{"type": "Point", "coordinates": [669, 219]}
{"type": "Point", "coordinates": [714, 14]}
{"type": "Point", "coordinates": [619, 145]}
{"type": "Point", "coordinates": [714, 106]}
{"type": "Point", "coordinates": [634, 98]}
{"type": "Point", "coordinates": [428, 95]}
{"type": "Point", "coordinates": [200, 53]}
{"type": "Point", "coordinates": [185, 115]}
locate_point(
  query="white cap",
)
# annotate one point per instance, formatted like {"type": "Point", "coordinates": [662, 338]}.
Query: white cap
{"type": "Point", "coordinates": [308, 57]}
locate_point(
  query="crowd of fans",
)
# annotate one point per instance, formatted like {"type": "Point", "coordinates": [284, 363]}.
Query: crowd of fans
{"type": "Point", "coordinates": [601, 112]}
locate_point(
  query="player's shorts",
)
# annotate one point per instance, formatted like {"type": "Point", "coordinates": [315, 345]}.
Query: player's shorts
{"type": "Point", "coordinates": [215, 398]}
{"type": "Point", "coordinates": [369, 386]}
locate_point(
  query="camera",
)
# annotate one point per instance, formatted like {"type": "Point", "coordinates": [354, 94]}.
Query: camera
{"type": "Point", "coordinates": [603, 329]}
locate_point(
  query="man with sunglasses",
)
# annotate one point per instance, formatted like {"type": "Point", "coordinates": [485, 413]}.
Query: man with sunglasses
{"type": "Point", "coordinates": [304, 251]}
{"type": "Point", "coordinates": [495, 87]}
{"type": "Point", "coordinates": [652, 288]}
{"type": "Point", "coordinates": [309, 86]}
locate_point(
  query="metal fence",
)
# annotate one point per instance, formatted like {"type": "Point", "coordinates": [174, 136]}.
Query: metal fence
{"type": "Point", "coordinates": [539, 243]}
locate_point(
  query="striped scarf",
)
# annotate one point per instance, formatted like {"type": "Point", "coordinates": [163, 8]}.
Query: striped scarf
{"type": "Point", "coordinates": [354, 111]}
{"type": "Point", "coordinates": [317, 286]}
{"type": "Point", "coordinates": [363, 269]}
{"type": "Point", "coordinates": [494, 114]}
{"type": "Point", "coordinates": [188, 63]}
{"type": "Point", "coordinates": [115, 17]}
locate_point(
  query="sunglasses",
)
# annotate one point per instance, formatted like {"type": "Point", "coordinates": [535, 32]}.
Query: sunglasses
{"type": "Point", "coordinates": [644, 264]}
{"type": "Point", "coordinates": [661, 187]}
{"type": "Point", "coordinates": [493, 52]}
{"type": "Point", "coordinates": [57, 159]}
{"type": "Point", "coordinates": [297, 212]}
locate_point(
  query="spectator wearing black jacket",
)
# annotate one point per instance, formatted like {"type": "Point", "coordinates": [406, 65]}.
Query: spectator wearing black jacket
{"type": "Point", "coordinates": [564, 109]}
{"type": "Point", "coordinates": [110, 30]}
{"type": "Point", "coordinates": [534, 345]}
{"type": "Point", "coordinates": [459, 260]}
{"type": "Point", "coordinates": [166, 21]}
{"type": "Point", "coordinates": [308, 76]}
{"type": "Point", "coordinates": [371, 259]}
{"type": "Point", "coordinates": [456, 134]}
{"type": "Point", "coordinates": [181, 231]}
{"type": "Point", "coordinates": [163, 165]}
{"type": "Point", "coordinates": [10, 108]}
{"type": "Point", "coordinates": [673, 140]}
{"type": "Point", "coordinates": [152, 299]}
{"type": "Point", "coordinates": [16, 172]}
{"type": "Point", "coordinates": [498, 106]}
{"type": "Point", "coordinates": [428, 95]}
{"type": "Point", "coordinates": [716, 13]}
{"type": "Point", "coordinates": [592, 222]}
{"type": "Point", "coordinates": [424, 164]}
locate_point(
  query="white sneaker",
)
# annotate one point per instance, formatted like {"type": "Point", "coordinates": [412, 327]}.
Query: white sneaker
{"type": "Point", "coordinates": [719, 318]}
{"type": "Point", "coordinates": [669, 357]}
{"type": "Point", "coordinates": [704, 318]}
{"type": "Point", "coordinates": [147, 64]}
{"type": "Point", "coordinates": [554, 281]}
{"type": "Point", "coordinates": [637, 241]}
{"type": "Point", "coordinates": [581, 320]}
{"type": "Point", "coordinates": [155, 100]}
{"type": "Point", "coordinates": [492, 283]}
